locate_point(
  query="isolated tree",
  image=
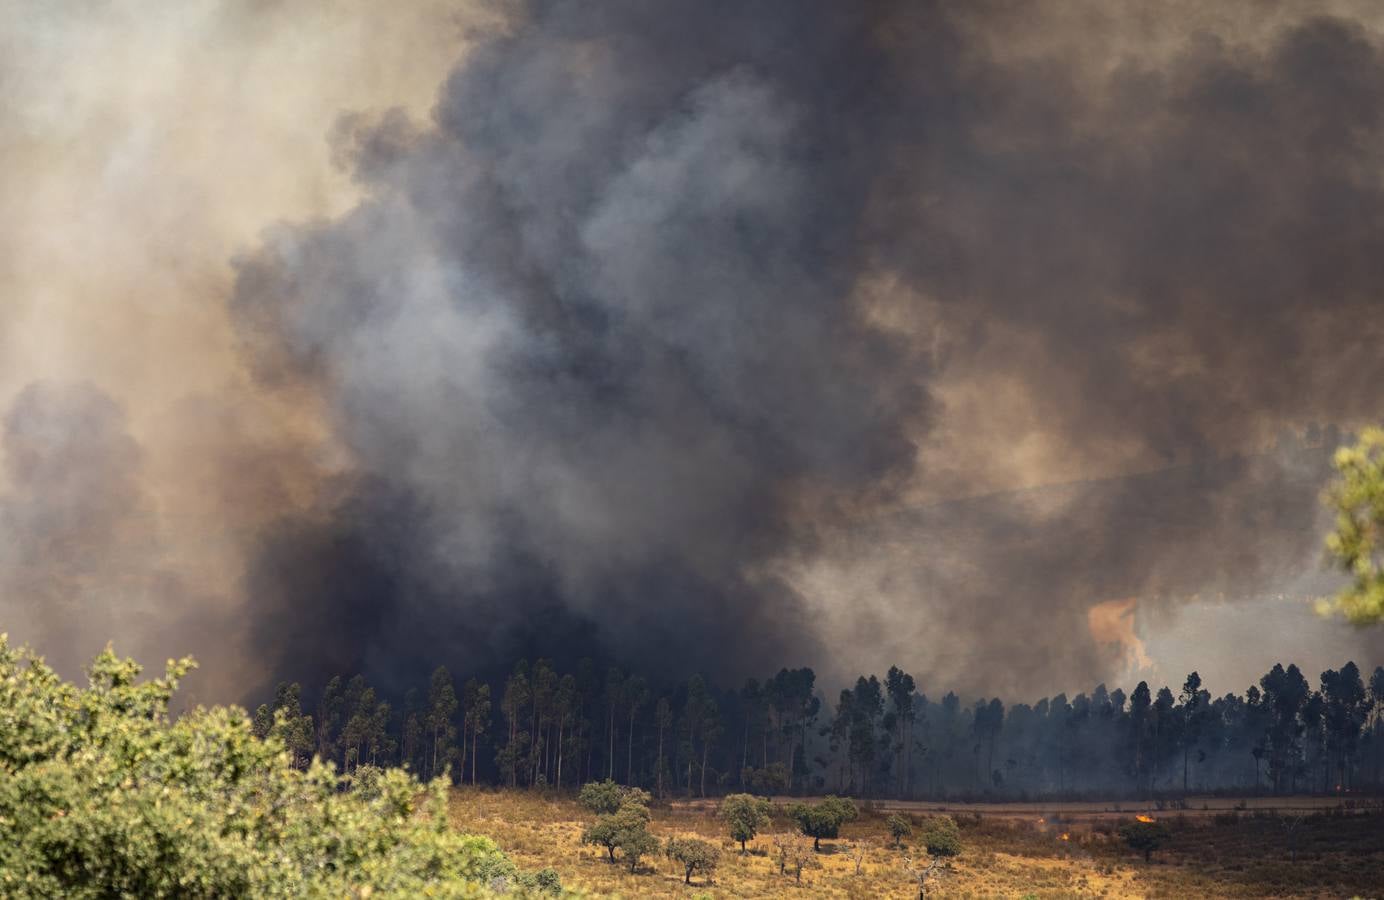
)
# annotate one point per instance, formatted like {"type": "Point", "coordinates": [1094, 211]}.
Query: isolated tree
{"type": "Point", "coordinates": [941, 837]}
{"type": "Point", "coordinates": [626, 829]}
{"type": "Point", "coordinates": [794, 854]}
{"type": "Point", "coordinates": [694, 855]}
{"type": "Point", "coordinates": [745, 815]}
{"type": "Point", "coordinates": [1145, 837]}
{"type": "Point", "coordinates": [1357, 542]}
{"type": "Point", "coordinates": [823, 819]}
{"type": "Point", "coordinates": [899, 828]}
{"type": "Point", "coordinates": [635, 843]}
{"type": "Point", "coordinates": [858, 851]}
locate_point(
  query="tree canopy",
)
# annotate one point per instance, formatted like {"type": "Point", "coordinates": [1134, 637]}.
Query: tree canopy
{"type": "Point", "coordinates": [823, 819]}
{"type": "Point", "coordinates": [745, 815]}
{"type": "Point", "coordinates": [103, 794]}
{"type": "Point", "coordinates": [1357, 542]}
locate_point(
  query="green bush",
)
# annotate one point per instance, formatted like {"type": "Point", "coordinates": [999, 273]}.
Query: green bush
{"type": "Point", "coordinates": [899, 828]}
{"type": "Point", "coordinates": [941, 836]}
{"type": "Point", "coordinates": [102, 795]}
{"type": "Point", "coordinates": [626, 830]}
{"type": "Point", "coordinates": [745, 815]}
{"type": "Point", "coordinates": [694, 855]}
{"type": "Point", "coordinates": [605, 798]}
{"type": "Point", "coordinates": [824, 819]}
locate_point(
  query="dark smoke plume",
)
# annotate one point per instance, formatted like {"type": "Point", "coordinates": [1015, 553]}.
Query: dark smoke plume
{"type": "Point", "coordinates": [661, 303]}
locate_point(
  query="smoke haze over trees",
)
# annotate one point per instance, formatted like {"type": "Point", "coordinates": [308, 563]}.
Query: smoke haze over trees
{"type": "Point", "coordinates": [713, 337]}
{"type": "Point", "coordinates": [877, 739]}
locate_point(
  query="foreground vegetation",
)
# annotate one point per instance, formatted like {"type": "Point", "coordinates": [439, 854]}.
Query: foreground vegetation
{"type": "Point", "coordinates": [103, 795]}
{"type": "Point", "coordinates": [1233, 854]}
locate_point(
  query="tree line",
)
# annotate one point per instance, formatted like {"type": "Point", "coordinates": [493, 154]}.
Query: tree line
{"type": "Point", "coordinates": [541, 727]}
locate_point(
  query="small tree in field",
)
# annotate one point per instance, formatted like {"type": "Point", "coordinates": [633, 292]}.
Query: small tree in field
{"type": "Point", "coordinates": [695, 856]}
{"type": "Point", "coordinates": [942, 837]}
{"type": "Point", "coordinates": [626, 830]}
{"type": "Point", "coordinates": [745, 814]}
{"type": "Point", "coordinates": [824, 819]}
{"type": "Point", "coordinates": [794, 854]}
{"type": "Point", "coordinates": [899, 828]}
{"type": "Point", "coordinates": [1145, 836]}
{"type": "Point", "coordinates": [635, 844]}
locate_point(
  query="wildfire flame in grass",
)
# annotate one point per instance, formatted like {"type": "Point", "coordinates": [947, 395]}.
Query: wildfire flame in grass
{"type": "Point", "coordinates": [1064, 836]}
{"type": "Point", "coordinates": [1144, 818]}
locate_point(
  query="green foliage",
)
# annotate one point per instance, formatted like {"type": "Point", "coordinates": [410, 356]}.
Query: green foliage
{"type": "Point", "coordinates": [626, 830]}
{"type": "Point", "coordinates": [899, 828]}
{"type": "Point", "coordinates": [1358, 498]}
{"type": "Point", "coordinates": [102, 795]}
{"type": "Point", "coordinates": [772, 779]}
{"type": "Point", "coordinates": [941, 836]}
{"type": "Point", "coordinates": [694, 855]}
{"type": "Point", "coordinates": [636, 843]}
{"type": "Point", "coordinates": [1145, 836]}
{"type": "Point", "coordinates": [824, 819]}
{"type": "Point", "coordinates": [745, 814]}
{"type": "Point", "coordinates": [606, 797]}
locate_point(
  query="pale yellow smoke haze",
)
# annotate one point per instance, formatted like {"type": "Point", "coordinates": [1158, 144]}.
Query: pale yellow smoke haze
{"type": "Point", "coordinates": [142, 146]}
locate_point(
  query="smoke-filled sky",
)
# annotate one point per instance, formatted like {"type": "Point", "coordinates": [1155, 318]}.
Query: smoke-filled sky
{"type": "Point", "coordinates": [1004, 342]}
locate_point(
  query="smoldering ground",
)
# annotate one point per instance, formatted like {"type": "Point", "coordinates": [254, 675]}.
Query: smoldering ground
{"type": "Point", "coordinates": [667, 309]}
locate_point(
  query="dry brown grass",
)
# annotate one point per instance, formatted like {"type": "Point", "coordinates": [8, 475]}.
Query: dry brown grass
{"type": "Point", "coordinates": [1232, 856]}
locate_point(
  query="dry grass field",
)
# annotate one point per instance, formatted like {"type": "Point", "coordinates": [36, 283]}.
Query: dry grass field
{"type": "Point", "coordinates": [1230, 853]}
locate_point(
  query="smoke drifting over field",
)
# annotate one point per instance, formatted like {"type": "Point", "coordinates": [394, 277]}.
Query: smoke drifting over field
{"type": "Point", "coordinates": [720, 335]}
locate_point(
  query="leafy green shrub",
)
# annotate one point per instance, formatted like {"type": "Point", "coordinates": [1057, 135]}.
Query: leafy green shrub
{"type": "Point", "coordinates": [899, 828]}
{"type": "Point", "coordinates": [604, 798]}
{"type": "Point", "coordinates": [626, 830]}
{"type": "Point", "coordinates": [102, 795]}
{"type": "Point", "coordinates": [941, 836]}
{"type": "Point", "coordinates": [693, 855]}
{"type": "Point", "coordinates": [824, 819]}
{"type": "Point", "coordinates": [745, 814]}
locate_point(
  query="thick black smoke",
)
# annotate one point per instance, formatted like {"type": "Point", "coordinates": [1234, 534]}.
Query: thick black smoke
{"type": "Point", "coordinates": [607, 343]}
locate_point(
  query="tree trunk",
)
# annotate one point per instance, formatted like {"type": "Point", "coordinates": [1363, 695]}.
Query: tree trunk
{"type": "Point", "coordinates": [660, 761]}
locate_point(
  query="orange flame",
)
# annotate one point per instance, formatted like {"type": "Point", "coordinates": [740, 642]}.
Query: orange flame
{"type": "Point", "coordinates": [1065, 836]}
{"type": "Point", "coordinates": [1144, 818]}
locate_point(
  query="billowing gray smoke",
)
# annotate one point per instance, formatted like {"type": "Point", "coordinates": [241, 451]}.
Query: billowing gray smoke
{"type": "Point", "coordinates": [592, 342]}
{"type": "Point", "coordinates": [663, 295]}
